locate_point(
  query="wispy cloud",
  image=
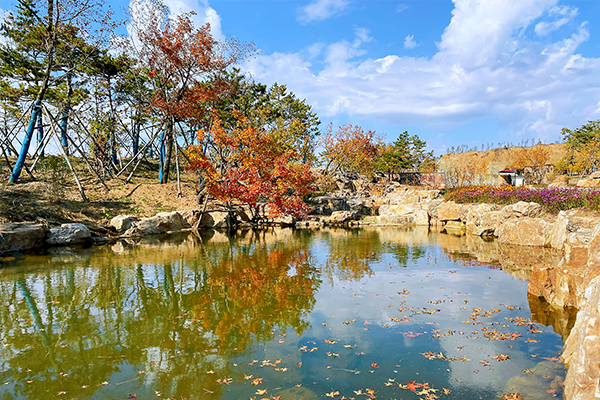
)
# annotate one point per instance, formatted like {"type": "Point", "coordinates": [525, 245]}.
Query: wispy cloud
{"type": "Point", "coordinates": [563, 16]}
{"type": "Point", "coordinates": [401, 7]}
{"type": "Point", "coordinates": [320, 10]}
{"type": "Point", "coordinates": [409, 42]}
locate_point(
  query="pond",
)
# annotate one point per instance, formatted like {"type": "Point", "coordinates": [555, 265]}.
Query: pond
{"type": "Point", "coordinates": [383, 313]}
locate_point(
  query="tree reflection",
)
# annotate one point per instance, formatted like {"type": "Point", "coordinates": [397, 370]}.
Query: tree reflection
{"type": "Point", "coordinates": [88, 326]}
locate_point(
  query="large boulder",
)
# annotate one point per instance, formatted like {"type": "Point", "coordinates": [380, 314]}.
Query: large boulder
{"type": "Point", "coordinates": [68, 234]}
{"type": "Point", "coordinates": [482, 220]}
{"type": "Point", "coordinates": [582, 349]}
{"type": "Point", "coordinates": [158, 224]}
{"type": "Point", "coordinates": [121, 223]}
{"type": "Point", "coordinates": [451, 211]}
{"type": "Point", "coordinates": [520, 210]}
{"type": "Point", "coordinates": [214, 219]}
{"type": "Point", "coordinates": [525, 231]}
{"type": "Point", "coordinates": [191, 217]}
{"type": "Point", "coordinates": [340, 217]}
{"type": "Point", "coordinates": [20, 236]}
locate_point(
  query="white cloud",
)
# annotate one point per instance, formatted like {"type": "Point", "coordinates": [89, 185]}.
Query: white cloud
{"type": "Point", "coordinates": [409, 42]}
{"type": "Point", "coordinates": [204, 13]}
{"type": "Point", "coordinates": [320, 10]}
{"type": "Point", "coordinates": [401, 7]}
{"type": "Point", "coordinates": [564, 15]}
{"type": "Point", "coordinates": [485, 68]}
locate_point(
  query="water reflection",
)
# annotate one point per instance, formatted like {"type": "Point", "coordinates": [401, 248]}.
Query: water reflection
{"type": "Point", "coordinates": [205, 316]}
{"type": "Point", "coordinates": [174, 313]}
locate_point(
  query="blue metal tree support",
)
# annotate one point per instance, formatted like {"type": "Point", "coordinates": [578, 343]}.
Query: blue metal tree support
{"type": "Point", "coordinates": [63, 131]}
{"type": "Point", "coordinates": [40, 132]}
{"type": "Point", "coordinates": [37, 110]}
{"type": "Point", "coordinates": [162, 156]}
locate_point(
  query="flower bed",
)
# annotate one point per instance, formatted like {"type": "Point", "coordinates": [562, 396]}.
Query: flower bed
{"type": "Point", "coordinates": [552, 199]}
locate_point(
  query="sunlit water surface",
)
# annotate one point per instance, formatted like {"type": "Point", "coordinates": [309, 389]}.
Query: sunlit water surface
{"type": "Point", "coordinates": [373, 313]}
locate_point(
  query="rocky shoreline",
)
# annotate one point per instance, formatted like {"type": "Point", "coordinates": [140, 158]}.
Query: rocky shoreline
{"type": "Point", "coordinates": [572, 282]}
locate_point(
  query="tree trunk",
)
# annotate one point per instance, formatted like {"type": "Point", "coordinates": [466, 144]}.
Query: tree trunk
{"type": "Point", "coordinates": [166, 152]}
{"type": "Point", "coordinates": [65, 114]}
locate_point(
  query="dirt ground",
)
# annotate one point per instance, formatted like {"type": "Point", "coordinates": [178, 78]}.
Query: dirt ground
{"type": "Point", "coordinates": [54, 198]}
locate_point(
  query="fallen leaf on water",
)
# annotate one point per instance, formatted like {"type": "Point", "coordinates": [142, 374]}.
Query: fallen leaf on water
{"type": "Point", "coordinates": [527, 371]}
{"type": "Point", "coordinates": [257, 381]}
{"type": "Point", "coordinates": [332, 394]}
{"type": "Point", "coordinates": [260, 392]}
{"type": "Point", "coordinates": [512, 396]}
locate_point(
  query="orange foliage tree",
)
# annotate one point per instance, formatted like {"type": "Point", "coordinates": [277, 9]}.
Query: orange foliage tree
{"type": "Point", "coordinates": [252, 164]}
{"type": "Point", "coordinates": [181, 60]}
{"type": "Point", "coordinates": [350, 149]}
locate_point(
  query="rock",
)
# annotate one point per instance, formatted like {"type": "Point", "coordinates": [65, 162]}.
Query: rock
{"type": "Point", "coordinates": [421, 216]}
{"type": "Point", "coordinates": [525, 231]}
{"type": "Point", "coordinates": [520, 210]}
{"type": "Point", "coordinates": [455, 227]}
{"type": "Point", "coordinates": [214, 219]}
{"type": "Point", "coordinates": [309, 224]}
{"type": "Point", "coordinates": [392, 210]}
{"type": "Point", "coordinates": [160, 223]}
{"type": "Point", "coordinates": [562, 285]}
{"type": "Point", "coordinates": [594, 247]}
{"type": "Point", "coordinates": [68, 234]}
{"type": "Point", "coordinates": [392, 219]}
{"type": "Point", "coordinates": [588, 182]}
{"type": "Point", "coordinates": [285, 221]}
{"type": "Point", "coordinates": [595, 175]}
{"type": "Point", "coordinates": [358, 205]}
{"type": "Point", "coordinates": [451, 211]}
{"type": "Point", "coordinates": [121, 223]}
{"type": "Point", "coordinates": [191, 217]}
{"type": "Point", "coordinates": [20, 236]}
{"type": "Point", "coordinates": [561, 181]}
{"type": "Point", "coordinates": [145, 227]}
{"type": "Point", "coordinates": [482, 220]}
{"type": "Point", "coordinates": [582, 349]}
{"type": "Point", "coordinates": [560, 231]}
{"type": "Point", "coordinates": [339, 217]}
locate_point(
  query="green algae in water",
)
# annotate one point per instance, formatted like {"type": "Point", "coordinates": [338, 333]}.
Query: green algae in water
{"type": "Point", "coordinates": [374, 313]}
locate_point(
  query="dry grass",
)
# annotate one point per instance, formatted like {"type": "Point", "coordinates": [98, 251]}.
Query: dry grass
{"type": "Point", "coordinates": [37, 200]}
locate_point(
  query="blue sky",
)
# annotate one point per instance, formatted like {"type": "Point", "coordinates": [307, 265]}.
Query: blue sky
{"type": "Point", "coordinates": [454, 72]}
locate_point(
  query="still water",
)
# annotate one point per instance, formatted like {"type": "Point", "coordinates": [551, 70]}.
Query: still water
{"type": "Point", "coordinates": [280, 314]}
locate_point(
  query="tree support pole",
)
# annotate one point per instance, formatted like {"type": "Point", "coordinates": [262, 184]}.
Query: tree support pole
{"type": "Point", "coordinates": [83, 197]}
{"type": "Point", "coordinates": [14, 176]}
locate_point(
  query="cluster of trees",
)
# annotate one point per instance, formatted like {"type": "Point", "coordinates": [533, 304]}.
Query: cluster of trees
{"type": "Point", "coordinates": [583, 156]}
{"type": "Point", "coordinates": [168, 90]}
{"type": "Point", "coordinates": [352, 150]}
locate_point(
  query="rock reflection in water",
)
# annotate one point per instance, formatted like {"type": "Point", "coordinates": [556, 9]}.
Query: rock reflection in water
{"type": "Point", "coordinates": [561, 319]}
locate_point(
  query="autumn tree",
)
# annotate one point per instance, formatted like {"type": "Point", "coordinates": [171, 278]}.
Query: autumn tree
{"type": "Point", "coordinates": [350, 150]}
{"type": "Point", "coordinates": [254, 165]}
{"type": "Point", "coordinates": [584, 148]}
{"type": "Point", "coordinates": [274, 106]}
{"type": "Point", "coordinates": [181, 60]}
